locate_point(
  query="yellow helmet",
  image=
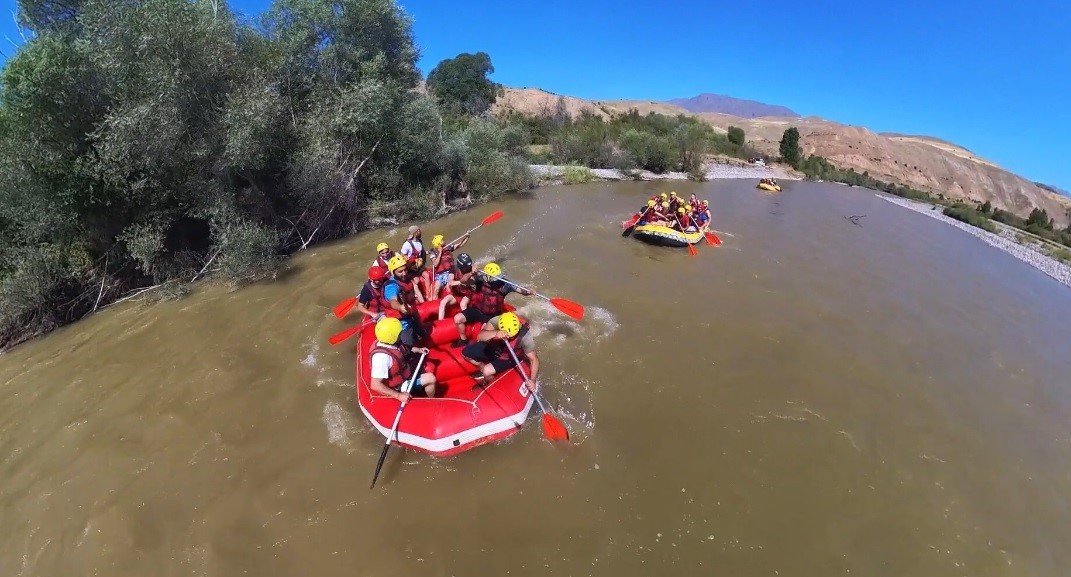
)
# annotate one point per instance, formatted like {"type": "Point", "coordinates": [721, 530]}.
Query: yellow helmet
{"type": "Point", "coordinates": [650, 203]}
{"type": "Point", "coordinates": [388, 329]}
{"type": "Point", "coordinates": [492, 269]}
{"type": "Point", "coordinates": [510, 323]}
{"type": "Point", "coordinates": [397, 261]}
{"type": "Point", "coordinates": [664, 196]}
{"type": "Point", "coordinates": [437, 241]}
{"type": "Point", "coordinates": [382, 247]}
{"type": "Point", "coordinates": [705, 203]}
{"type": "Point", "coordinates": [665, 205]}
{"type": "Point", "coordinates": [688, 207]}
{"type": "Point", "coordinates": [681, 210]}
{"type": "Point", "coordinates": [673, 193]}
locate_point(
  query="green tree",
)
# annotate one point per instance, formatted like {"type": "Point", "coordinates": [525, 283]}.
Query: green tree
{"type": "Point", "coordinates": [460, 84]}
{"type": "Point", "coordinates": [986, 208]}
{"type": "Point", "coordinates": [1039, 217]}
{"type": "Point", "coordinates": [790, 146]}
{"type": "Point", "coordinates": [736, 135]}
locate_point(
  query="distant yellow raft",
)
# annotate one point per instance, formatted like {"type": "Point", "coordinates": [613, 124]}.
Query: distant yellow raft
{"type": "Point", "coordinates": [665, 236]}
{"type": "Point", "coordinates": [769, 187]}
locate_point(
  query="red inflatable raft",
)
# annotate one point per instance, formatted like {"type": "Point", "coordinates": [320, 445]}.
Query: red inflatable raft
{"type": "Point", "coordinates": [462, 415]}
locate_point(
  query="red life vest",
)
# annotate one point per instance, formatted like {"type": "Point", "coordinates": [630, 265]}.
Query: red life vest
{"type": "Point", "coordinates": [399, 370]}
{"type": "Point", "coordinates": [685, 221]}
{"type": "Point", "coordinates": [406, 296]}
{"type": "Point", "coordinates": [378, 303]}
{"type": "Point", "coordinates": [488, 299]}
{"type": "Point", "coordinates": [464, 289]}
{"type": "Point", "coordinates": [446, 261]}
{"type": "Point", "coordinates": [500, 350]}
{"type": "Point", "coordinates": [382, 262]}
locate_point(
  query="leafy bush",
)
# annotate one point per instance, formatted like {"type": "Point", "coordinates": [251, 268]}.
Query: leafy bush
{"type": "Point", "coordinates": [970, 216]}
{"type": "Point", "coordinates": [577, 175]}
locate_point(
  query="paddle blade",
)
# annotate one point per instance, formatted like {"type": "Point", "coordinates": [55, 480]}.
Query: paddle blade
{"type": "Point", "coordinates": [344, 307]}
{"type": "Point", "coordinates": [712, 239]}
{"type": "Point", "coordinates": [691, 249]}
{"type": "Point", "coordinates": [339, 337]}
{"type": "Point", "coordinates": [554, 429]}
{"type": "Point", "coordinates": [492, 217]}
{"type": "Point", "coordinates": [569, 308]}
{"type": "Point", "coordinates": [628, 231]}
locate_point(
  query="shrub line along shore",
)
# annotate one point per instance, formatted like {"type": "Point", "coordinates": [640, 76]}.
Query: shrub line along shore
{"type": "Point", "coordinates": [551, 174]}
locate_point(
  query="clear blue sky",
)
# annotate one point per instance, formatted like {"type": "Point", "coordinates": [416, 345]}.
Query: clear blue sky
{"type": "Point", "coordinates": [987, 74]}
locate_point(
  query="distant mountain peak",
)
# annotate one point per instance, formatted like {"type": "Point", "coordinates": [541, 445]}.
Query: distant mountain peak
{"type": "Point", "coordinates": [720, 103]}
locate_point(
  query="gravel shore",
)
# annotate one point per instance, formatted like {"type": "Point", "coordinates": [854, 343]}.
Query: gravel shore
{"type": "Point", "coordinates": [553, 174]}
{"type": "Point", "coordinates": [1032, 254]}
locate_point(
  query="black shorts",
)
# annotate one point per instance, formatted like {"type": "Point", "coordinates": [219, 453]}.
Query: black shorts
{"type": "Point", "coordinates": [472, 315]}
{"type": "Point", "coordinates": [479, 352]}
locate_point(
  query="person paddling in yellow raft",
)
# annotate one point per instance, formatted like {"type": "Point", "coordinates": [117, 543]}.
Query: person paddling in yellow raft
{"type": "Point", "coordinates": [391, 367]}
{"type": "Point", "coordinates": [702, 217]}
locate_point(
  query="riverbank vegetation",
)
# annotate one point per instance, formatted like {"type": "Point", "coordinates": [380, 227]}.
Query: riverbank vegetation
{"type": "Point", "coordinates": [626, 141]}
{"type": "Point", "coordinates": [148, 143]}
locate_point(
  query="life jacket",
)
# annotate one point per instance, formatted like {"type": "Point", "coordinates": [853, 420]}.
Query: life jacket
{"type": "Point", "coordinates": [406, 296]}
{"type": "Point", "coordinates": [379, 303]}
{"type": "Point", "coordinates": [446, 261]}
{"type": "Point", "coordinates": [488, 299]}
{"type": "Point", "coordinates": [423, 256]}
{"type": "Point", "coordinates": [685, 221]}
{"type": "Point", "coordinates": [465, 288]}
{"type": "Point", "coordinates": [499, 350]}
{"type": "Point", "coordinates": [400, 370]}
{"type": "Point", "coordinates": [382, 262]}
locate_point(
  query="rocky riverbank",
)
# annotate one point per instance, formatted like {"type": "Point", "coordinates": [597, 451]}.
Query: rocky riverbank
{"type": "Point", "coordinates": [550, 174]}
{"type": "Point", "coordinates": [1006, 241]}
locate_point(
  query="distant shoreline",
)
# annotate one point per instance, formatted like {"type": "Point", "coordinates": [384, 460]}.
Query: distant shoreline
{"type": "Point", "coordinates": [1029, 253]}
{"type": "Point", "coordinates": [553, 174]}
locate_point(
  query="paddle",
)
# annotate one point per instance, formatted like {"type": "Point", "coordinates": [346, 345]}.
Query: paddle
{"type": "Point", "coordinates": [712, 239]}
{"type": "Point", "coordinates": [552, 427]}
{"type": "Point", "coordinates": [344, 307]}
{"type": "Point", "coordinates": [567, 307]}
{"type": "Point", "coordinates": [632, 227]}
{"type": "Point", "coordinates": [490, 218]}
{"type": "Point", "coordinates": [406, 387]}
{"type": "Point", "coordinates": [691, 247]}
{"type": "Point", "coordinates": [341, 336]}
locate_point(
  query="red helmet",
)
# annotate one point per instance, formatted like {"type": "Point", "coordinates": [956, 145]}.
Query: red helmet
{"type": "Point", "coordinates": [377, 273]}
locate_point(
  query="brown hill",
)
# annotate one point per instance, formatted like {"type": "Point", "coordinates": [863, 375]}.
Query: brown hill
{"type": "Point", "coordinates": [922, 162]}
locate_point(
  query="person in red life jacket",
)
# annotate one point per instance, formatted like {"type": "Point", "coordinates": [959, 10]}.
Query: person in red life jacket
{"type": "Point", "coordinates": [661, 214]}
{"type": "Point", "coordinates": [391, 367]}
{"type": "Point", "coordinates": [403, 295]}
{"type": "Point", "coordinates": [683, 222]}
{"type": "Point", "coordinates": [674, 202]}
{"type": "Point", "coordinates": [383, 254]}
{"type": "Point", "coordinates": [371, 301]}
{"type": "Point", "coordinates": [489, 352]}
{"type": "Point", "coordinates": [441, 265]}
{"type": "Point", "coordinates": [487, 300]}
{"type": "Point", "coordinates": [413, 250]}
{"type": "Point", "coordinates": [703, 215]}
{"type": "Point", "coordinates": [461, 285]}
{"type": "Point", "coordinates": [648, 213]}
{"type": "Point", "coordinates": [693, 200]}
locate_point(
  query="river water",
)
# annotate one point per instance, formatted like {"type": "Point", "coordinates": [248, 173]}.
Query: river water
{"type": "Point", "coordinates": [811, 398]}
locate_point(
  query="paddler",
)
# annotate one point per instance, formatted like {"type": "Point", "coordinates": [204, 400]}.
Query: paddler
{"type": "Point", "coordinates": [489, 352]}
{"type": "Point", "coordinates": [648, 213]}
{"type": "Point", "coordinates": [703, 216]}
{"type": "Point", "coordinates": [661, 214]}
{"type": "Point", "coordinates": [441, 260]}
{"type": "Point", "coordinates": [383, 254]}
{"type": "Point", "coordinates": [371, 301]}
{"type": "Point", "coordinates": [413, 250]}
{"type": "Point", "coordinates": [674, 202]}
{"type": "Point", "coordinates": [460, 287]}
{"type": "Point", "coordinates": [390, 367]}
{"type": "Point", "coordinates": [402, 293]}
{"type": "Point", "coordinates": [683, 221]}
{"type": "Point", "coordinates": [487, 302]}
{"type": "Point", "coordinates": [694, 201]}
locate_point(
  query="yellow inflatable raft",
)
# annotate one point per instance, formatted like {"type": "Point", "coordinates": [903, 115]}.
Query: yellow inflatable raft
{"type": "Point", "coordinates": [769, 187]}
{"type": "Point", "coordinates": [665, 236]}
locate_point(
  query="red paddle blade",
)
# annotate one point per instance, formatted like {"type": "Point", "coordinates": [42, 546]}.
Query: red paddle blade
{"type": "Point", "coordinates": [631, 222]}
{"type": "Point", "coordinates": [339, 337]}
{"type": "Point", "coordinates": [344, 307]}
{"type": "Point", "coordinates": [691, 249]}
{"type": "Point", "coordinates": [569, 308]}
{"type": "Point", "coordinates": [554, 429]}
{"type": "Point", "coordinates": [713, 239]}
{"type": "Point", "coordinates": [493, 217]}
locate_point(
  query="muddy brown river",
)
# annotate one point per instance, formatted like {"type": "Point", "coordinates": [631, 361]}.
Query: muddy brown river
{"type": "Point", "coordinates": [811, 398]}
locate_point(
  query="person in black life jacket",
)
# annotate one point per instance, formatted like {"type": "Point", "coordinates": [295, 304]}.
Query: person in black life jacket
{"type": "Point", "coordinates": [489, 352]}
{"type": "Point", "coordinates": [391, 368]}
{"type": "Point", "coordinates": [403, 295]}
{"type": "Point", "coordinates": [487, 300]}
{"type": "Point", "coordinates": [461, 285]}
{"type": "Point", "coordinates": [371, 301]}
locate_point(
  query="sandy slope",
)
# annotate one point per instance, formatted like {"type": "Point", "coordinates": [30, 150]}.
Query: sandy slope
{"type": "Point", "coordinates": [918, 161]}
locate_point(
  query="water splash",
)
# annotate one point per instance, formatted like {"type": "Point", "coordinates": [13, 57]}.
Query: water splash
{"type": "Point", "coordinates": [340, 426]}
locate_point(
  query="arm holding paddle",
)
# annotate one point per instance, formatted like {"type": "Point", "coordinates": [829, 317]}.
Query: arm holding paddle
{"type": "Point", "coordinates": [567, 307]}
{"type": "Point", "coordinates": [529, 353]}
